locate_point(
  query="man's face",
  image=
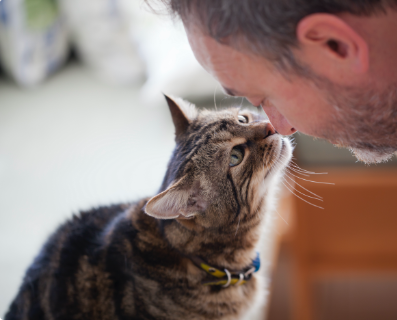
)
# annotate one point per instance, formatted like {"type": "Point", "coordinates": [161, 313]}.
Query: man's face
{"type": "Point", "coordinates": [292, 103]}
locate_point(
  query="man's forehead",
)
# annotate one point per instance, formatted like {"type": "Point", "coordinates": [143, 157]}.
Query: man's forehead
{"type": "Point", "coordinates": [234, 69]}
{"type": "Point", "coordinates": [222, 62]}
{"type": "Point", "coordinates": [209, 51]}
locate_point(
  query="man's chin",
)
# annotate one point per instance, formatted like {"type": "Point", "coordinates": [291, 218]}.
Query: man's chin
{"type": "Point", "coordinates": [371, 156]}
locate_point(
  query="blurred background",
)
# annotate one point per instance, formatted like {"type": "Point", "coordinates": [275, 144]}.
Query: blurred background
{"type": "Point", "coordinates": [83, 123]}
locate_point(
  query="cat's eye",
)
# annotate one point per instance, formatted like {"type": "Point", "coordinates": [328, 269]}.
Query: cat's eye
{"type": "Point", "coordinates": [236, 156]}
{"type": "Point", "coordinates": [242, 119]}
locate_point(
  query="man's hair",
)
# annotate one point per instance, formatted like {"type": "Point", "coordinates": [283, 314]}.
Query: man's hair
{"type": "Point", "coordinates": [264, 27]}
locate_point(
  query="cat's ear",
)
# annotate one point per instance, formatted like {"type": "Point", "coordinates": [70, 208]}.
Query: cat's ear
{"type": "Point", "coordinates": [181, 112]}
{"type": "Point", "coordinates": [177, 201]}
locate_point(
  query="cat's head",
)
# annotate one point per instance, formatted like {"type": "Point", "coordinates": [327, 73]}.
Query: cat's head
{"type": "Point", "coordinates": [224, 164]}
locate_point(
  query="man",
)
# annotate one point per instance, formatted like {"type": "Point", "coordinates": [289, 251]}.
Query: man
{"type": "Point", "coordinates": [327, 68]}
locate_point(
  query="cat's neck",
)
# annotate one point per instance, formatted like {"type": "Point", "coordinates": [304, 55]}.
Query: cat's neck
{"type": "Point", "coordinates": [233, 248]}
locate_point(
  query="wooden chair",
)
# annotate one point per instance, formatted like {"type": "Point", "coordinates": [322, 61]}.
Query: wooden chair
{"type": "Point", "coordinates": [354, 237]}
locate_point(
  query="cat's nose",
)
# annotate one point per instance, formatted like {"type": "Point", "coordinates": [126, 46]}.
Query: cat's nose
{"type": "Point", "coordinates": [269, 130]}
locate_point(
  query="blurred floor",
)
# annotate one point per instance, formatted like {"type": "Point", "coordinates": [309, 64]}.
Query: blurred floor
{"type": "Point", "coordinates": [70, 144]}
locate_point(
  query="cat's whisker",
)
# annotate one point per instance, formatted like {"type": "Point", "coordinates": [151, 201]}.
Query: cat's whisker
{"type": "Point", "coordinates": [241, 103]}
{"type": "Point", "coordinates": [306, 172]}
{"type": "Point", "coordinates": [320, 198]}
{"type": "Point", "coordinates": [294, 167]}
{"type": "Point", "coordinates": [293, 164]}
{"type": "Point", "coordinates": [295, 189]}
{"type": "Point", "coordinates": [281, 217]}
{"type": "Point", "coordinates": [216, 108]}
{"type": "Point", "coordinates": [276, 164]}
{"type": "Point", "coordinates": [284, 157]}
{"type": "Point", "coordinates": [301, 173]}
{"type": "Point", "coordinates": [302, 198]}
{"type": "Point", "coordinates": [291, 189]}
{"type": "Point", "coordinates": [319, 182]}
{"type": "Point", "coordinates": [272, 165]}
{"type": "Point", "coordinates": [298, 172]}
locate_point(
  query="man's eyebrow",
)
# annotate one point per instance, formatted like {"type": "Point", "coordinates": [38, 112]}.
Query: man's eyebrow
{"type": "Point", "coordinates": [231, 92]}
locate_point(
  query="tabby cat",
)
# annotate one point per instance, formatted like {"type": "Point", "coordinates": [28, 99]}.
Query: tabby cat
{"type": "Point", "coordinates": [187, 253]}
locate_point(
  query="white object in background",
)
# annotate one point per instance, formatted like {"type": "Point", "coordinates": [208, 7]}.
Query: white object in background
{"type": "Point", "coordinates": [171, 65]}
{"type": "Point", "coordinates": [33, 40]}
{"type": "Point", "coordinates": [100, 33]}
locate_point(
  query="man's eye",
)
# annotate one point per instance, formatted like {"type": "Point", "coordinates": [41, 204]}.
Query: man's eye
{"type": "Point", "coordinates": [242, 119]}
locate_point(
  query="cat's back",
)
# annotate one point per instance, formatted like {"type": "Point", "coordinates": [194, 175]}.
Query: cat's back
{"type": "Point", "coordinates": [82, 235]}
{"type": "Point", "coordinates": [64, 275]}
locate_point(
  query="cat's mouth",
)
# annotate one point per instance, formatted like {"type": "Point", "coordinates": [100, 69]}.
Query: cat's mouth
{"type": "Point", "coordinates": [284, 151]}
{"type": "Point", "coordinates": [283, 156]}
{"type": "Point", "coordinates": [282, 146]}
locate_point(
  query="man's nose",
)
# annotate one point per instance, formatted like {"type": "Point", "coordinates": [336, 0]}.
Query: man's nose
{"type": "Point", "coordinates": [279, 122]}
{"type": "Point", "coordinates": [283, 127]}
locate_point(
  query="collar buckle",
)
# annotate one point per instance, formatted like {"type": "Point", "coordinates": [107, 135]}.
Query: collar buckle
{"type": "Point", "coordinates": [229, 278]}
{"type": "Point", "coordinates": [226, 278]}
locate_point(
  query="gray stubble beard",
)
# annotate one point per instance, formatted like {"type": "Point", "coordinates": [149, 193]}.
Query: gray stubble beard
{"type": "Point", "coordinates": [365, 122]}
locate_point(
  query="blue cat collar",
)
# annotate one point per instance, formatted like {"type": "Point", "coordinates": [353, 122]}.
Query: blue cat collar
{"type": "Point", "coordinates": [256, 262]}
{"type": "Point", "coordinates": [228, 278]}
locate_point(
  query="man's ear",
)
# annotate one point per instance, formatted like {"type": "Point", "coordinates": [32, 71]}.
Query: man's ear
{"type": "Point", "coordinates": [179, 115]}
{"type": "Point", "coordinates": [178, 201]}
{"type": "Point", "coordinates": [329, 45]}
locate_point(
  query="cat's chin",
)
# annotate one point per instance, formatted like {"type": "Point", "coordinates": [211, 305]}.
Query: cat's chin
{"type": "Point", "coordinates": [281, 157]}
{"type": "Point", "coordinates": [285, 152]}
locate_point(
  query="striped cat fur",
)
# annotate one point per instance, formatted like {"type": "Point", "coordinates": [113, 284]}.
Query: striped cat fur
{"type": "Point", "coordinates": [131, 261]}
